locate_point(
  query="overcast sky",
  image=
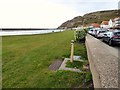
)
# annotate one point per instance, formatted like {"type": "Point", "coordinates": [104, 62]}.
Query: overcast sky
{"type": "Point", "coordinates": [47, 13]}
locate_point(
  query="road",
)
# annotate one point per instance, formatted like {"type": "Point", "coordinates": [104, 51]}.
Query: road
{"type": "Point", "coordinates": [115, 50]}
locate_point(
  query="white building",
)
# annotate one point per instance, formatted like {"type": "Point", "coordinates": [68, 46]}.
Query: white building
{"type": "Point", "coordinates": [117, 22]}
{"type": "Point", "coordinates": [111, 23]}
{"type": "Point", "coordinates": [104, 24]}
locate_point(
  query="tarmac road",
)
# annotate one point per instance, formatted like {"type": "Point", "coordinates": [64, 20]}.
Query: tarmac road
{"type": "Point", "coordinates": [115, 50]}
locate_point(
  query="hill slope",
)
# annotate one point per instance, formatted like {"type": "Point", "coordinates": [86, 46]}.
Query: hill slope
{"type": "Point", "coordinates": [89, 18]}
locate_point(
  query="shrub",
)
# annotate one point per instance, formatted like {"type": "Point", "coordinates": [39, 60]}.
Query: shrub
{"type": "Point", "coordinates": [80, 35]}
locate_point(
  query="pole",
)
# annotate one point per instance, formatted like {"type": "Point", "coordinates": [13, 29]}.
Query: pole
{"type": "Point", "coordinates": [72, 51]}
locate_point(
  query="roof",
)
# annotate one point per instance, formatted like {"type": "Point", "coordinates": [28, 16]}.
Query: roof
{"type": "Point", "coordinates": [113, 20]}
{"type": "Point", "coordinates": [104, 23]}
{"type": "Point", "coordinates": [95, 25]}
{"type": "Point", "coordinates": [117, 19]}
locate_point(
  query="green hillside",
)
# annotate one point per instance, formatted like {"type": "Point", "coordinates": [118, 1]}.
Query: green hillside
{"type": "Point", "coordinates": [89, 18]}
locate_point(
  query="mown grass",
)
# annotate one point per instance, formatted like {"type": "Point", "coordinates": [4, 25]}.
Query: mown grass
{"type": "Point", "coordinates": [75, 64]}
{"type": "Point", "coordinates": [80, 50]}
{"type": "Point", "coordinates": [26, 60]}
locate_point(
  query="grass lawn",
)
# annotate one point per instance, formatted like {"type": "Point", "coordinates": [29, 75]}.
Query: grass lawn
{"type": "Point", "coordinates": [75, 64]}
{"type": "Point", "coordinates": [26, 60]}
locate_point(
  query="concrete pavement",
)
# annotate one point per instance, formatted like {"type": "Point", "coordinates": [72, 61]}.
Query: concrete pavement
{"type": "Point", "coordinates": [103, 61]}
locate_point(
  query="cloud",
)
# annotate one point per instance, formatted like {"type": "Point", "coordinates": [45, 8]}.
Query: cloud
{"type": "Point", "coordinates": [119, 5]}
{"type": "Point", "coordinates": [34, 13]}
{"type": "Point", "coordinates": [47, 13]}
{"type": "Point", "coordinates": [86, 6]}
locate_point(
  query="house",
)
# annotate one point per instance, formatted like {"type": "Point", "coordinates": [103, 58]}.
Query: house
{"type": "Point", "coordinates": [95, 25]}
{"type": "Point", "coordinates": [111, 23]}
{"type": "Point", "coordinates": [114, 23]}
{"type": "Point", "coordinates": [117, 22]}
{"type": "Point", "coordinates": [104, 24]}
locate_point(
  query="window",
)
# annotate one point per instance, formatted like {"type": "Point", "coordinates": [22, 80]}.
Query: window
{"type": "Point", "coordinates": [117, 33]}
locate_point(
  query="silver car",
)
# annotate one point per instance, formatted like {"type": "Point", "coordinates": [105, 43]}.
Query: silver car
{"type": "Point", "coordinates": [100, 33]}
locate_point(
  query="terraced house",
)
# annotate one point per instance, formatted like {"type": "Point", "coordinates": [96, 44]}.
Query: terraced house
{"type": "Point", "coordinates": [104, 24]}
{"type": "Point", "coordinates": [117, 22]}
{"type": "Point", "coordinates": [114, 23]}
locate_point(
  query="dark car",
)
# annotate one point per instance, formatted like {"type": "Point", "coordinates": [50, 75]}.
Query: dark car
{"type": "Point", "coordinates": [112, 37]}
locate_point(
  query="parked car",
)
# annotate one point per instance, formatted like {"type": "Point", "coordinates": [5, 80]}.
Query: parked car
{"type": "Point", "coordinates": [90, 31]}
{"type": "Point", "coordinates": [100, 33]}
{"type": "Point", "coordinates": [112, 37]}
{"type": "Point", "coordinates": [94, 33]}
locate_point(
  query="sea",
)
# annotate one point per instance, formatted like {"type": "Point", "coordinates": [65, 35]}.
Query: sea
{"type": "Point", "coordinates": [27, 32]}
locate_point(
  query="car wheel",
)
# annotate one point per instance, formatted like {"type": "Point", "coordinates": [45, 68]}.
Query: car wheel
{"type": "Point", "coordinates": [110, 43]}
{"type": "Point", "coordinates": [96, 36]}
{"type": "Point", "coordinates": [102, 40]}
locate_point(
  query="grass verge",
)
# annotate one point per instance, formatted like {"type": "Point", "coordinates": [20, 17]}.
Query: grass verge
{"type": "Point", "coordinates": [75, 64]}
{"type": "Point", "coordinates": [26, 60]}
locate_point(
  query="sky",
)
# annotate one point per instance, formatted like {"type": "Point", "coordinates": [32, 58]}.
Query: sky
{"type": "Point", "coordinates": [47, 13]}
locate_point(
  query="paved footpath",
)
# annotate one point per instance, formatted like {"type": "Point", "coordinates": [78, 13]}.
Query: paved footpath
{"type": "Point", "coordinates": [103, 61]}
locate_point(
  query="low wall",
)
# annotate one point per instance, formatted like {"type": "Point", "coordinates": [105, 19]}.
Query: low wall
{"type": "Point", "coordinates": [103, 61]}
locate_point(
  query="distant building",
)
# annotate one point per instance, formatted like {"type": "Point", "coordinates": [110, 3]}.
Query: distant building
{"type": "Point", "coordinates": [111, 23]}
{"type": "Point", "coordinates": [95, 25]}
{"type": "Point", "coordinates": [117, 22]}
{"type": "Point", "coordinates": [114, 23]}
{"type": "Point", "coordinates": [104, 24]}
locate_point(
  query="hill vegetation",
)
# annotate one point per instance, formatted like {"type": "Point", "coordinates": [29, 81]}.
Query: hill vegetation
{"type": "Point", "coordinates": [89, 18]}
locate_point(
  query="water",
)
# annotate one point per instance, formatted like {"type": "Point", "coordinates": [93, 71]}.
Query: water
{"type": "Point", "coordinates": [27, 32]}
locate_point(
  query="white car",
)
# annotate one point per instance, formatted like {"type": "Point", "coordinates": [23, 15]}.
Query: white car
{"type": "Point", "coordinates": [95, 31]}
{"type": "Point", "coordinates": [100, 33]}
{"type": "Point", "coordinates": [90, 31]}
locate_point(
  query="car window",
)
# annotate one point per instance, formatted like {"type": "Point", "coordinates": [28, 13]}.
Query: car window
{"type": "Point", "coordinates": [102, 31]}
{"type": "Point", "coordinates": [117, 33]}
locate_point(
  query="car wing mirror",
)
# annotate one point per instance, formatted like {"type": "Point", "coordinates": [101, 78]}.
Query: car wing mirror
{"type": "Point", "coordinates": [105, 34]}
